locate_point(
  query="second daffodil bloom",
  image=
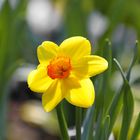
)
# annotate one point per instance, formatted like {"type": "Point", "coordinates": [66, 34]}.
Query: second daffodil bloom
{"type": "Point", "coordinates": [64, 72]}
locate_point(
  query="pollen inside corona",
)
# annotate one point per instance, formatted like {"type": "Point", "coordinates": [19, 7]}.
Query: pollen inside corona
{"type": "Point", "coordinates": [59, 67]}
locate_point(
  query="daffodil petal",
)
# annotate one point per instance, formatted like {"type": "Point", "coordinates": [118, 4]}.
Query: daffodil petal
{"type": "Point", "coordinates": [38, 80]}
{"type": "Point", "coordinates": [52, 96]}
{"type": "Point", "coordinates": [82, 96]}
{"type": "Point", "coordinates": [75, 47]}
{"type": "Point", "coordinates": [90, 66]}
{"type": "Point", "coordinates": [46, 51]}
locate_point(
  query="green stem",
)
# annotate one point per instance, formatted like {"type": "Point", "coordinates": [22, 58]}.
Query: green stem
{"type": "Point", "coordinates": [3, 112]}
{"type": "Point", "coordinates": [78, 123]}
{"type": "Point", "coordinates": [62, 122]}
{"type": "Point", "coordinates": [2, 121]}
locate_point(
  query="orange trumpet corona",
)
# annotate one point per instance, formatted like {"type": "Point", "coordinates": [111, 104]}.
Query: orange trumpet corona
{"type": "Point", "coordinates": [59, 67]}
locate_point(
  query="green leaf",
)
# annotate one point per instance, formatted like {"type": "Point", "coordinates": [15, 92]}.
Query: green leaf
{"type": "Point", "coordinates": [103, 90]}
{"type": "Point", "coordinates": [89, 124]}
{"type": "Point", "coordinates": [115, 108]}
{"type": "Point", "coordinates": [20, 9]}
{"type": "Point", "coordinates": [5, 17]}
{"type": "Point", "coordinates": [136, 130]}
{"type": "Point", "coordinates": [105, 128]}
{"type": "Point", "coordinates": [62, 122]}
{"type": "Point", "coordinates": [74, 12]}
{"type": "Point", "coordinates": [107, 93]}
{"type": "Point", "coordinates": [128, 105]}
{"type": "Point", "coordinates": [98, 128]}
{"type": "Point", "coordinates": [78, 122]}
{"type": "Point", "coordinates": [121, 71]}
{"type": "Point", "coordinates": [117, 101]}
{"type": "Point", "coordinates": [9, 50]}
{"type": "Point", "coordinates": [135, 56]}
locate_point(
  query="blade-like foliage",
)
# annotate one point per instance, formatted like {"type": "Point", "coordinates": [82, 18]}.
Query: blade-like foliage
{"type": "Point", "coordinates": [135, 56]}
{"type": "Point", "coordinates": [128, 106]}
{"type": "Point", "coordinates": [102, 88]}
{"type": "Point", "coordinates": [136, 130]}
{"type": "Point", "coordinates": [9, 53]}
{"type": "Point", "coordinates": [105, 128]}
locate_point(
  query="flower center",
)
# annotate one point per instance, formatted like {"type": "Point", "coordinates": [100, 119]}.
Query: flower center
{"type": "Point", "coordinates": [59, 67]}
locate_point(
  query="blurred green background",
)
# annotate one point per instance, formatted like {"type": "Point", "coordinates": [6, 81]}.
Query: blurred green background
{"type": "Point", "coordinates": [24, 24]}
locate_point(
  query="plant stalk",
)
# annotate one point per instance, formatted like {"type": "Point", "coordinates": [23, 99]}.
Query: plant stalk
{"type": "Point", "coordinates": [62, 122]}
{"type": "Point", "coordinates": [78, 123]}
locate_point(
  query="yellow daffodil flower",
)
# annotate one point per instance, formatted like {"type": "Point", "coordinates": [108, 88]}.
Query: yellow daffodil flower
{"type": "Point", "coordinates": [64, 72]}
